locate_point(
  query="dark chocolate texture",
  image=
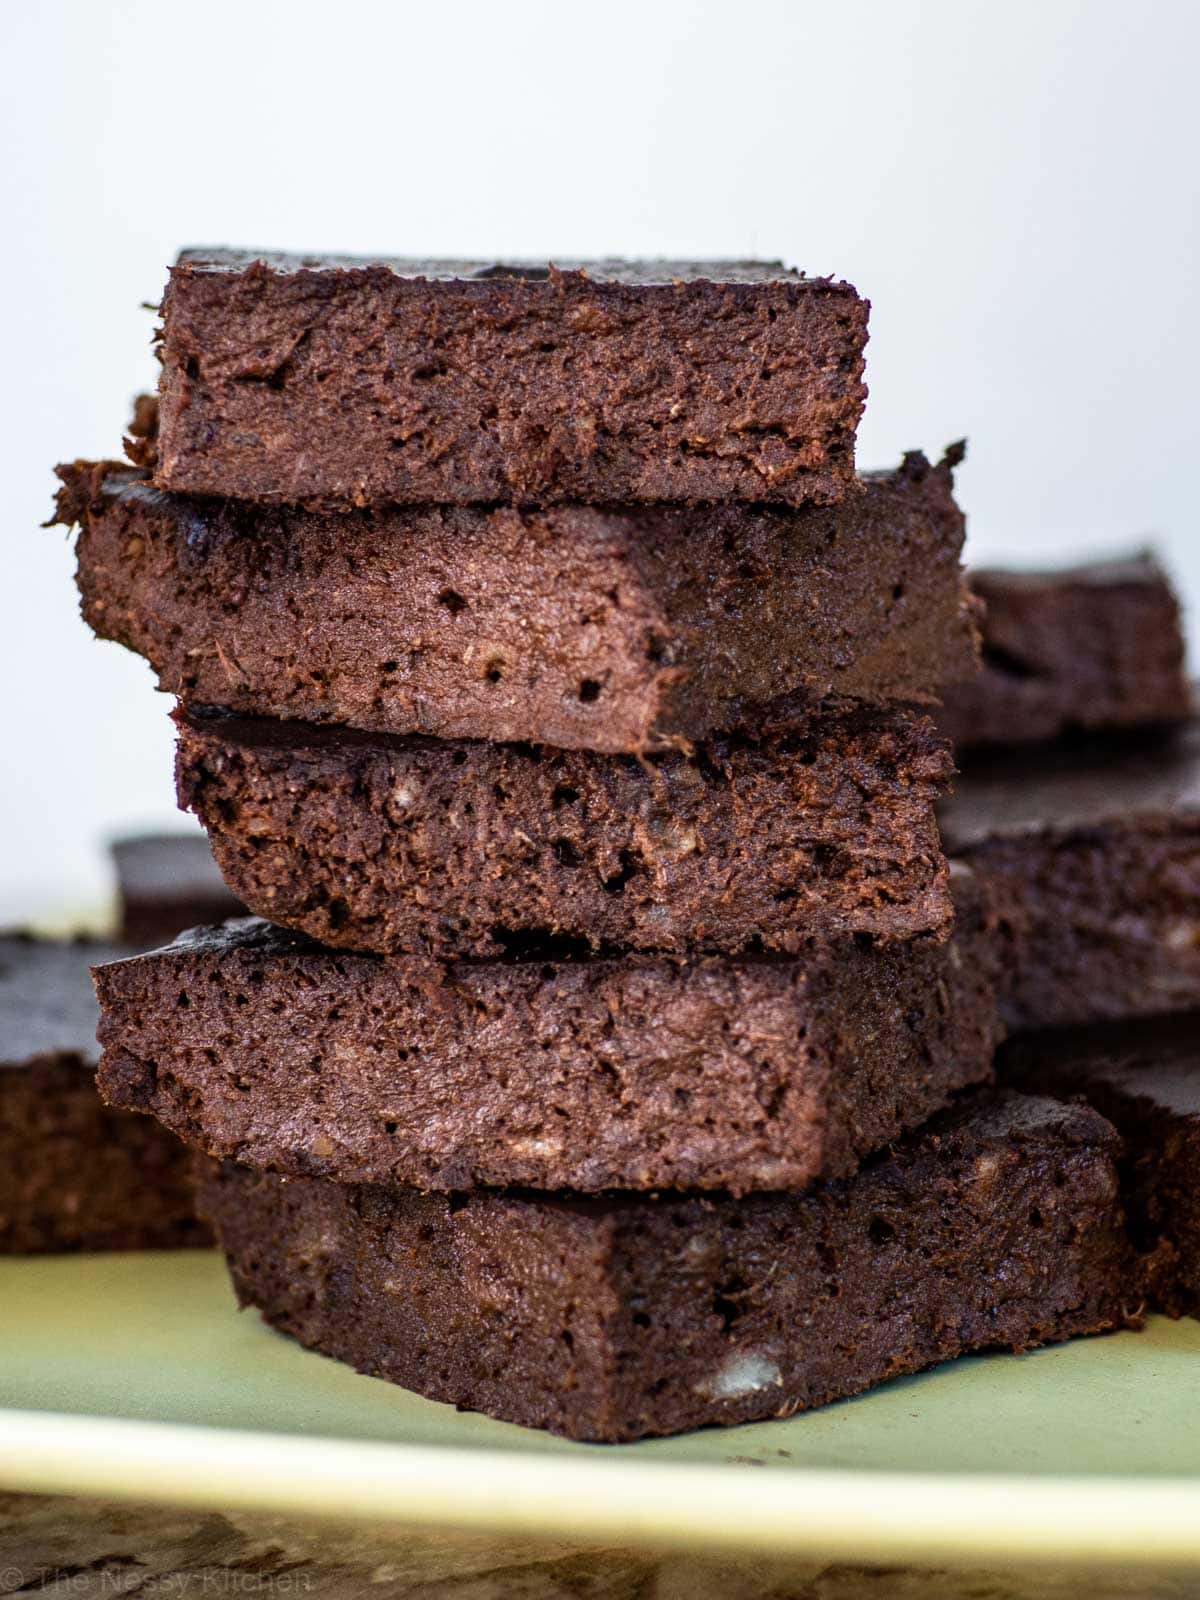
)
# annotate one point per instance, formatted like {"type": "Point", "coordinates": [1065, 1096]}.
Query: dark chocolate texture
{"type": "Point", "coordinates": [584, 628]}
{"type": "Point", "coordinates": [350, 382]}
{"type": "Point", "coordinates": [370, 842]}
{"type": "Point", "coordinates": [623, 1072]}
{"type": "Point", "coordinates": [75, 1175]}
{"type": "Point", "coordinates": [999, 1226]}
{"type": "Point", "coordinates": [1091, 647]}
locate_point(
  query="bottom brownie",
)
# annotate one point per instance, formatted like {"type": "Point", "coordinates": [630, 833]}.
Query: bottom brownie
{"type": "Point", "coordinates": [1145, 1077]}
{"type": "Point", "coordinates": [73, 1174]}
{"type": "Point", "coordinates": [1000, 1225]}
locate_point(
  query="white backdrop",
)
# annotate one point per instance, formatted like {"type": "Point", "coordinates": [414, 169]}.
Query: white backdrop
{"type": "Point", "coordinates": [1014, 186]}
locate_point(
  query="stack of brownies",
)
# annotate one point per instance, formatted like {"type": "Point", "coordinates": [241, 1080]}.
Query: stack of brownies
{"type": "Point", "coordinates": [610, 1058]}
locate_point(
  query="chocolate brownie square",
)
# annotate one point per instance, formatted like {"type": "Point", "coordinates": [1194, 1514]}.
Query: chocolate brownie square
{"type": "Point", "coordinates": [1092, 848]}
{"type": "Point", "coordinates": [582, 627]}
{"type": "Point", "coordinates": [167, 882]}
{"type": "Point", "coordinates": [352, 382]}
{"type": "Point", "coordinates": [1091, 647]}
{"type": "Point", "coordinates": [997, 1226]}
{"type": "Point", "coordinates": [602, 1072]}
{"type": "Point", "coordinates": [1144, 1076]}
{"type": "Point", "coordinates": [393, 844]}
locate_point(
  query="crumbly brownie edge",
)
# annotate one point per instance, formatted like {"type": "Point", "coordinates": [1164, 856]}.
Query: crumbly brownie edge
{"type": "Point", "coordinates": [576, 627]}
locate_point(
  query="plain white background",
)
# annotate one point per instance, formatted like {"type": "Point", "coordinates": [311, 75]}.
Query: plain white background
{"type": "Point", "coordinates": [1014, 186]}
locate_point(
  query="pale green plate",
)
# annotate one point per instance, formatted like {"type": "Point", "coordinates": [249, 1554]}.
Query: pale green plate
{"type": "Point", "coordinates": [135, 1376]}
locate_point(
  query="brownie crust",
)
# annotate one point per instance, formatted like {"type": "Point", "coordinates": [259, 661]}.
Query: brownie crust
{"type": "Point", "coordinates": [167, 882]}
{"type": "Point", "coordinates": [1144, 1077]}
{"type": "Point", "coordinates": [75, 1175]}
{"type": "Point", "coordinates": [347, 382]}
{"type": "Point", "coordinates": [1092, 647]}
{"type": "Point", "coordinates": [584, 628]}
{"type": "Point", "coordinates": [1092, 851]}
{"type": "Point", "coordinates": [459, 847]}
{"type": "Point", "coordinates": [625, 1072]}
{"type": "Point", "coordinates": [999, 1226]}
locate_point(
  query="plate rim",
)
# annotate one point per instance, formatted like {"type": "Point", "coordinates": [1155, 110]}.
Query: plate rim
{"type": "Point", "coordinates": [964, 1519]}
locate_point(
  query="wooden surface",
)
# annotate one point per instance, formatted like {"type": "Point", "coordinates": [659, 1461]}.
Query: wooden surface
{"type": "Point", "coordinates": [90, 1548]}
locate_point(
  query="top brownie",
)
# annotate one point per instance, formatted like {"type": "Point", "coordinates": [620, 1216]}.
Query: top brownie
{"type": "Point", "coordinates": [1092, 647]}
{"type": "Point", "coordinates": [334, 381]}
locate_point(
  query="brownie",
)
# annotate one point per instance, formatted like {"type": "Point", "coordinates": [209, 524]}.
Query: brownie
{"type": "Point", "coordinates": [391, 844]}
{"type": "Point", "coordinates": [167, 882]}
{"type": "Point", "coordinates": [603, 1072]}
{"type": "Point", "coordinates": [1093, 850]}
{"type": "Point", "coordinates": [351, 382]}
{"type": "Point", "coordinates": [1144, 1076]}
{"type": "Point", "coordinates": [586, 628]}
{"type": "Point", "coordinates": [75, 1175]}
{"type": "Point", "coordinates": [1092, 647]}
{"type": "Point", "coordinates": [999, 1226]}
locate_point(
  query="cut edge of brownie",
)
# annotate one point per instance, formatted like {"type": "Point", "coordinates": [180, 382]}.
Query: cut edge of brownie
{"type": "Point", "coordinates": [518, 384]}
